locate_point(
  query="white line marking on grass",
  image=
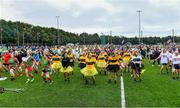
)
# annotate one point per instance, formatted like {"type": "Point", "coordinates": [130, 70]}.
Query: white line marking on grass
{"type": "Point", "coordinates": [123, 101]}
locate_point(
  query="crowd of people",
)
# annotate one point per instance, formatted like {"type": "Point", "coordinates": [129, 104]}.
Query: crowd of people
{"type": "Point", "coordinates": [109, 60]}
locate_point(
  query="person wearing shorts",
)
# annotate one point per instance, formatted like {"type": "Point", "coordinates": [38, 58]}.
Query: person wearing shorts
{"type": "Point", "coordinates": [176, 65]}
{"type": "Point", "coordinates": [113, 67]}
{"type": "Point", "coordinates": [163, 60]}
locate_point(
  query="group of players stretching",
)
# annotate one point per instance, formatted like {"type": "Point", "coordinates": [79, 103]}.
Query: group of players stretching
{"type": "Point", "coordinates": [112, 61]}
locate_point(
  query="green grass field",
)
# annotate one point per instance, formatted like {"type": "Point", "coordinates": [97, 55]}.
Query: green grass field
{"type": "Point", "coordinates": [154, 90]}
{"type": "Point", "coordinates": [60, 93]}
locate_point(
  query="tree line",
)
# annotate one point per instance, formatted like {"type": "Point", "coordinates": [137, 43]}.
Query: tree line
{"type": "Point", "coordinates": [20, 32]}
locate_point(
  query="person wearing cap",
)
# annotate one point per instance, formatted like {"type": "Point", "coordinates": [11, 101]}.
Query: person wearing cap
{"type": "Point", "coordinates": [176, 64]}
{"type": "Point", "coordinates": [113, 67]}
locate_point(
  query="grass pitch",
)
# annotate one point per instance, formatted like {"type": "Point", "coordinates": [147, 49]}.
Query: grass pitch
{"type": "Point", "coordinates": [60, 93]}
{"type": "Point", "coordinates": [155, 90]}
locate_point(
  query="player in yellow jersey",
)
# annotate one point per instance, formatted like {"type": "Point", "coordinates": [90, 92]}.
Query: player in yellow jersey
{"type": "Point", "coordinates": [113, 67]}
{"type": "Point", "coordinates": [119, 58]}
{"type": "Point", "coordinates": [82, 61]}
{"type": "Point", "coordinates": [71, 58]}
{"type": "Point", "coordinates": [101, 63]}
{"type": "Point", "coordinates": [126, 59]}
{"type": "Point", "coordinates": [89, 70]}
{"type": "Point", "coordinates": [66, 68]}
{"type": "Point", "coordinates": [93, 55]}
{"type": "Point", "coordinates": [56, 63]}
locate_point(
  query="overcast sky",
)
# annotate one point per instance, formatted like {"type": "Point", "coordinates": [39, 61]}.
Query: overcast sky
{"type": "Point", "coordinates": [158, 17]}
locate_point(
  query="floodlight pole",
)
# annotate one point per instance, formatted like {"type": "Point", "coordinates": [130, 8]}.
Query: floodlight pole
{"type": "Point", "coordinates": [1, 28]}
{"type": "Point", "coordinates": [141, 35]}
{"type": "Point", "coordinates": [23, 35]}
{"type": "Point", "coordinates": [37, 39]}
{"type": "Point", "coordinates": [173, 36]}
{"type": "Point", "coordinates": [31, 32]}
{"type": "Point", "coordinates": [139, 14]}
{"type": "Point", "coordinates": [84, 39]}
{"type": "Point", "coordinates": [58, 37]}
{"type": "Point", "coordinates": [110, 36]}
{"type": "Point", "coordinates": [17, 33]}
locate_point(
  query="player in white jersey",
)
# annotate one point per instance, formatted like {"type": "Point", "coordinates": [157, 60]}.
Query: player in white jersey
{"type": "Point", "coordinates": [136, 66]}
{"type": "Point", "coordinates": [170, 54]}
{"type": "Point", "coordinates": [163, 60]}
{"type": "Point", "coordinates": [176, 64]}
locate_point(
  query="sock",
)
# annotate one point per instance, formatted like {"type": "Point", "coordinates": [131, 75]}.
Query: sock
{"type": "Point", "coordinates": [31, 76]}
{"type": "Point", "coordinates": [94, 81]}
{"type": "Point", "coordinates": [109, 81]}
{"type": "Point", "coordinates": [105, 72]}
{"type": "Point", "coordinates": [36, 71]}
{"type": "Point", "coordinates": [19, 73]}
{"type": "Point", "coordinates": [12, 78]}
{"type": "Point", "coordinates": [50, 79]}
{"type": "Point", "coordinates": [142, 71]}
{"type": "Point", "coordinates": [44, 78]}
{"type": "Point", "coordinates": [115, 81]}
{"type": "Point", "coordinates": [86, 81]}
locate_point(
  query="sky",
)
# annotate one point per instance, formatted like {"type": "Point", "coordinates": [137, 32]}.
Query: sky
{"type": "Point", "coordinates": [158, 17]}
